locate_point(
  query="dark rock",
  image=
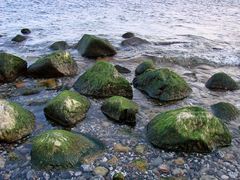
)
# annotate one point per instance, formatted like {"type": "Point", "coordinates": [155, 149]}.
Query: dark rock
{"type": "Point", "coordinates": [122, 69]}
{"type": "Point", "coordinates": [118, 176]}
{"type": "Point", "coordinates": [134, 41]}
{"type": "Point", "coordinates": [128, 35]}
{"type": "Point", "coordinates": [25, 31]}
{"type": "Point", "coordinates": [19, 38]}
{"type": "Point", "coordinates": [59, 45]}
{"type": "Point", "coordinates": [141, 68]}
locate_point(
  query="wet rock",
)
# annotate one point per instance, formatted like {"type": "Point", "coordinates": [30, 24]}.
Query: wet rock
{"type": "Point", "coordinates": [189, 129]}
{"type": "Point", "coordinates": [2, 162]}
{"type": "Point", "coordinates": [140, 148]}
{"type": "Point", "coordinates": [141, 68]}
{"type": "Point", "coordinates": [62, 149]}
{"type": "Point", "coordinates": [179, 161]}
{"type": "Point", "coordinates": [140, 164]}
{"type": "Point", "coordinates": [162, 84]}
{"type": "Point", "coordinates": [178, 172]}
{"type": "Point", "coordinates": [19, 38]}
{"type": "Point", "coordinates": [57, 64]}
{"type": "Point", "coordinates": [120, 109]}
{"type": "Point", "coordinates": [225, 111]}
{"type": "Point", "coordinates": [121, 148]}
{"type": "Point", "coordinates": [29, 91]}
{"type": "Point", "coordinates": [221, 81]}
{"type": "Point", "coordinates": [93, 47]}
{"type": "Point", "coordinates": [128, 35]}
{"type": "Point", "coordinates": [59, 45]}
{"type": "Point", "coordinates": [67, 109]}
{"type": "Point", "coordinates": [15, 121]}
{"type": "Point", "coordinates": [164, 168]}
{"type": "Point", "coordinates": [11, 67]}
{"type": "Point", "coordinates": [102, 171]}
{"type": "Point", "coordinates": [103, 80]}
{"type": "Point", "coordinates": [113, 160]}
{"type": "Point", "coordinates": [134, 41]}
{"type": "Point", "coordinates": [118, 176]}
{"type": "Point", "coordinates": [207, 177]}
{"type": "Point", "coordinates": [156, 162]}
{"type": "Point", "coordinates": [25, 31]}
{"type": "Point", "coordinates": [122, 70]}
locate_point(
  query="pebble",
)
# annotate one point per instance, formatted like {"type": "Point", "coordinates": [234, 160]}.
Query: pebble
{"type": "Point", "coordinates": [179, 161]}
{"type": "Point", "coordinates": [121, 148]}
{"type": "Point", "coordinates": [224, 177]}
{"type": "Point", "coordinates": [140, 149]}
{"type": "Point", "coordinates": [2, 162]}
{"type": "Point", "coordinates": [113, 161]}
{"type": "Point", "coordinates": [164, 168]}
{"type": "Point", "coordinates": [87, 168]}
{"type": "Point", "coordinates": [78, 173]}
{"type": "Point", "coordinates": [156, 162]}
{"type": "Point", "coordinates": [102, 171]}
{"type": "Point", "coordinates": [208, 177]}
{"type": "Point", "coordinates": [178, 172]}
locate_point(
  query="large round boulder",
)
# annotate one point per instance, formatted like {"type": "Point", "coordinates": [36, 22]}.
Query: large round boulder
{"type": "Point", "coordinates": [93, 47]}
{"type": "Point", "coordinates": [120, 109]}
{"type": "Point", "coordinates": [141, 68]}
{"type": "Point", "coordinates": [15, 121]}
{"type": "Point", "coordinates": [11, 67]}
{"type": "Point", "coordinates": [162, 84]}
{"type": "Point", "coordinates": [57, 64]}
{"type": "Point", "coordinates": [189, 129]}
{"type": "Point", "coordinates": [67, 108]}
{"type": "Point", "coordinates": [63, 149]}
{"type": "Point", "coordinates": [103, 80]}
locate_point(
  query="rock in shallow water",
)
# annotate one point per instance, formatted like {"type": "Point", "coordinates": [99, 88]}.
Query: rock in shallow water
{"type": "Point", "coordinates": [59, 45]}
{"type": "Point", "coordinates": [128, 35]}
{"type": "Point", "coordinates": [141, 68]}
{"type": "Point", "coordinates": [25, 31]}
{"type": "Point", "coordinates": [122, 69]}
{"type": "Point", "coordinates": [134, 41]}
{"type": "Point", "coordinates": [19, 38]}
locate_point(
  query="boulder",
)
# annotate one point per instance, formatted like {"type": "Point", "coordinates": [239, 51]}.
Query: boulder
{"type": "Point", "coordinates": [91, 46]}
{"type": "Point", "coordinates": [122, 69]}
{"type": "Point", "coordinates": [25, 31]}
{"type": "Point", "coordinates": [141, 68]}
{"type": "Point", "coordinates": [63, 149]}
{"type": "Point", "coordinates": [57, 64]}
{"type": "Point", "coordinates": [120, 109]}
{"type": "Point", "coordinates": [134, 41]}
{"type": "Point", "coordinates": [162, 84]}
{"type": "Point", "coordinates": [15, 122]}
{"type": "Point", "coordinates": [103, 80]}
{"type": "Point", "coordinates": [221, 81]}
{"type": "Point", "coordinates": [67, 109]}
{"type": "Point", "coordinates": [188, 129]}
{"type": "Point", "coordinates": [128, 35]}
{"type": "Point", "coordinates": [19, 38]}
{"type": "Point", "coordinates": [11, 67]}
{"type": "Point", "coordinates": [59, 45]}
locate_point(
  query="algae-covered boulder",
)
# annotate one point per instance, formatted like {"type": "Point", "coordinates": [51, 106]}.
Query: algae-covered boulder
{"type": "Point", "coordinates": [93, 47]}
{"type": "Point", "coordinates": [63, 149]}
{"type": "Point", "coordinates": [189, 129]}
{"type": "Point", "coordinates": [57, 64]}
{"type": "Point", "coordinates": [103, 80]}
{"type": "Point", "coordinates": [141, 68]}
{"type": "Point", "coordinates": [15, 121]}
{"type": "Point", "coordinates": [162, 84]}
{"type": "Point", "coordinates": [221, 81]}
{"type": "Point", "coordinates": [120, 109]}
{"type": "Point", "coordinates": [67, 109]}
{"type": "Point", "coordinates": [59, 45]}
{"type": "Point", "coordinates": [11, 67]}
{"type": "Point", "coordinates": [225, 111]}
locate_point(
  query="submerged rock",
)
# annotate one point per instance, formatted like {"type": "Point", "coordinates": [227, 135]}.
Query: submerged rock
{"type": "Point", "coordinates": [221, 81]}
{"type": "Point", "coordinates": [15, 121]}
{"type": "Point", "coordinates": [59, 45]}
{"type": "Point", "coordinates": [120, 109]}
{"type": "Point", "coordinates": [19, 38]}
{"type": "Point", "coordinates": [25, 31]}
{"type": "Point", "coordinates": [162, 84]}
{"type": "Point", "coordinates": [134, 41]}
{"type": "Point", "coordinates": [11, 67]}
{"type": "Point", "coordinates": [68, 108]}
{"type": "Point", "coordinates": [141, 68]}
{"type": "Point", "coordinates": [225, 111]}
{"type": "Point", "coordinates": [103, 80]}
{"type": "Point", "coordinates": [189, 129]}
{"type": "Point", "coordinates": [122, 69]}
{"type": "Point", "coordinates": [93, 47]}
{"type": "Point", "coordinates": [63, 149]}
{"type": "Point", "coordinates": [128, 35]}
{"type": "Point", "coordinates": [57, 64]}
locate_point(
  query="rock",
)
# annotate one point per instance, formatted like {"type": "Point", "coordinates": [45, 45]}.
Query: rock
{"type": "Point", "coordinates": [188, 129]}
{"type": "Point", "coordinates": [113, 160]}
{"type": "Point", "coordinates": [121, 148]}
{"type": "Point", "coordinates": [179, 161]}
{"type": "Point", "coordinates": [103, 80]}
{"type": "Point", "coordinates": [2, 162]}
{"type": "Point", "coordinates": [221, 81]}
{"type": "Point", "coordinates": [120, 109]}
{"type": "Point", "coordinates": [11, 67]}
{"type": "Point", "coordinates": [15, 122]}
{"type": "Point", "coordinates": [178, 172]}
{"type": "Point", "coordinates": [57, 64]}
{"type": "Point", "coordinates": [59, 45]}
{"type": "Point", "coordinates": [102, 171]}
{"type": "Point", "coordinates": [25, 31]}
{"type": "Point", "coordinates": [128, 35]}
{"type": "Point", "coordinates": [29, 91]}
{"type": "Point", "coordinates": [162, 84]}
{"type": "Point", "coordinates": [207, 177]}
{"type": "Point", "coordinates": [68, 108]}
{"type": "Point", "coordinates": [140, 164]}
{"type": "Point", "coordinates": [225, 111]}
{"type": "Point", "coordinates": [122, 70]}
{"type": "Point", "coordinates": [224, 177]}
{"type": "Point", "coordinates": [141, 68]}
{"type": "Point", "coordinates": [164, 168]}
{"type": "Point", "coordinates": [156, 162]}
{"type": "Point", "coordinates": [63, 149]}
{"type": "Point", "coordinates": [93, 47]}
{"type": "Point", "coordinates": [19, 38]}
{"type": "Point", "coordinates": [134, 41]}
{"type": "Point", "coordinates": [118, 176]}
{"type": "Point", "coordinates": [140, 148]}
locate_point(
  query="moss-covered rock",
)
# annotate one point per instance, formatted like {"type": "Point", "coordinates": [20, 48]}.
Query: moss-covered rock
{"type": "Point", "coordinates": [19, 38]}
{"type": "Point", "coordinates": [162, 84]}
{"type": "Point", "coordinates": [93, 47]}
{"type": "Point", "coordinates": [221, 81]}
{"type": "Point", "coordinates": [189, 129]}
{"type": "Point", "coordinates": [103, 80]}
{"type": "Point", "coordinates": [11, 67]}
{"type": "Point", "coordinates": [141, 68]}
{"type": "Point", "coordinates": [15, 121]}
{"type": "Point", "coordinates": [57, 64]}
{"type": "Point", "coordinates": [63, 149]}
{"type": "Point", "coordinates": [122, 69]}
{"type": "Point", "coordinates": [120, 109]}
{"type": "Point", "coordinates": [59, 45]}
{"type": "Point", "coordinates": [225, 111]}
{"type": "Point", "coordinates": [67, 109]}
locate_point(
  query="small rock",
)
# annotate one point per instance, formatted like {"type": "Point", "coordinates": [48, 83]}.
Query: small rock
{"type": "Point", "coordinates": [128, 35]}
{"type": "Point", "coordinates": [208, 177]}
{"type": "Point", "coordinates": [102, 171]}
{"type": "Point", "coordinates": [140, 149]}
{"type": "Point", "coordinates": [156, 162]}
{"type": "Point", "coordinates": [121, 148]}
{"type": "Point", "coordinates": [2, 162]}
{"type": "Point", "coordinates": [178, 172]}
{"type": "Point", "coordinates": [118, 176]}
{"type": "Point", "coordinates": [179, 161]}
{"type": "Point", "coordinates": [78, 173]}
{"type": "Point", "coordinates": [164, 168]}
{"type": "Point", "coordinates": [113, 161]}
{"type": "Point", "coordinates": [46, 176]}
{"type": "Point", "coordinates": [25, 31]}
{"type": "Point", "coordinates": [134, 41]}
{"type": "Point", "coordinates": [224, 177]}
{"type": "Point", "coordinates": [19, 38]}
{"type": "Point", "coordinates": [87, 168]}
{"type": "Point", "coordinates": [122, 69]}
{"type": "Point", "coordinates": [140, 164]}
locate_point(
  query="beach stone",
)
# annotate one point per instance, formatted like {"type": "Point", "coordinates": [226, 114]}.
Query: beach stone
{"type": "Point", "coordinates": [118, 176]}
{"type": "Point", "coordinates": [2, 162]}
{"type": "Point", "coordinates": [57, 64]}
{"type": "Point", "coordinates": [162, 84]}
{"type": "Point", "coordinates": [141, 68]}
{"type": "Point", "coordinates": [140, 148]}
{"type": "Point", "coordinates": [208, 177]}
{"type": "Point", "coordinates": [113, 160]}
{"type": "Point", "coordinates": [121, 148]}
{"type": "Point", "coordinates": [122, 69]}
{"type": "Point", "coordinates": [178, 172]}
{"type": "Point", "coordinates": [19, 38]}
{"type": "Point", "coordinates": [179, 161]}
{"type": "Point", "coordinates": [120, 109]}
{"type": "Point", "coordinates": [63, 149]}
{"type": "Point", "coordinates": [11, 67]}
{"type": "Point", "coordinates": [140, 164]}
{"type": "Point", "coordinates": [164, 168]}
{"type": "Point", "coordinates": [188, 129]}
{"type": "Point", "coordinates": [102, 171]}
{"type": "Point", "coordinates": [93, 47]}
{"type": "Point", "coordinates": [67, 108]}
{"type": "Point", "coordinates": [221, 81]}
{"type": "Point", "coordinates": [224, 177]}
{"type": "Point", "coordinates": [59, 45]}
{"type": "Point", "coordinates": [15, 121]}
{"type": "Point", "coordinates": [103, 80]}
{"type": "Point", "coordinates": [25, 31]}
{"type": "Point", "coordinates": [156, 162]}
{"type": "Point", "coordinates": [128, 35]}
{"type": "Point", "coordinates": [134, 41]}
